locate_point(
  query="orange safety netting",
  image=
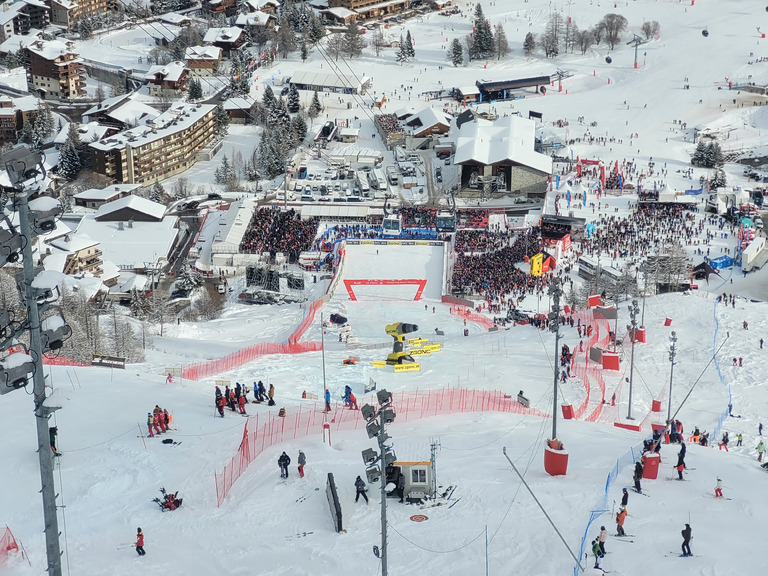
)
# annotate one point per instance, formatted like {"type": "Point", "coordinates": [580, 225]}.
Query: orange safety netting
{"type": "Point", "coordinates": [262, 432]}
{"type": "Point", "coordinates": [200, 370]}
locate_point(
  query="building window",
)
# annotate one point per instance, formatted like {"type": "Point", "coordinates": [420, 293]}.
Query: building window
{"type": "Point", "coordinates": [418, 476]}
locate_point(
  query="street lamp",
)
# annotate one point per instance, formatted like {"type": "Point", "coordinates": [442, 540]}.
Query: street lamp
{"type": "Point", "coordinates": [672, 342]}
{"type": "Point", "coordinates": [634, 310]}
{"type": "Point", "coordinates": [377, 462]}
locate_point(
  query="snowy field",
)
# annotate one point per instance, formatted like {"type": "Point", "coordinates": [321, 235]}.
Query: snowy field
{"type": "Point", "coordinates": [108, 475]}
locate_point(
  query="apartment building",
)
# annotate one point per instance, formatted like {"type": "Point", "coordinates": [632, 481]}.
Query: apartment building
{"type": "Point", "coordinates": [164, 147]}
{"type": "Point", "coordinates": [54, 69]}
{"type": "Point", "coordinates": [20, 17]}
{"type": "Point", "coordinates": [13, 113]}
{"type": "Point", "coordinates": [371, 8]}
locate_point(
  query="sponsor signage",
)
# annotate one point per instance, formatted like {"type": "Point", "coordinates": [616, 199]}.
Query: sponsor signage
{"type": "Point", "coordinates": [379, 364]}
{"type": "Point", "coordinates": [417, 341]}
{"type": "Point", "coordinates": [433, 347]}
{"type": "Point", "coordinates": [420, 352]}
{"type": "Point", "coordinates": [415, 367]}
{"type": "Point", "coordinates": [108, 361]}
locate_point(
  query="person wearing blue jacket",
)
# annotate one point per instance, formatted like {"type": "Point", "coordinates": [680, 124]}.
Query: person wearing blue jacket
{"type": "Point", "coordinates": [327, 400]}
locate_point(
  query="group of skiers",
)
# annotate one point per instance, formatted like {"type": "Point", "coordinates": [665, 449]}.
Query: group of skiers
{"type": "Point", "coordinates": [158, 420]}
{"type": "Point", "coordinates": [235, 398]}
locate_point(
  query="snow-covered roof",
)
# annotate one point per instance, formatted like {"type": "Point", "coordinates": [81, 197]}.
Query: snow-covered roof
{"type": "Point", "coordinates": [261, 4]}
{"type": "Point", "coordinates": [17, 41]}
{"type": "Point", "coordinates": [50, 49]}
{"type": "Point", "coordinates": [131, 247]}
{"type": "Point", "coordinates": [239, 103]}
{"type": "Point", "coordinates": [349, 132]}
{"type": "Point", "coordinates": [171, 72]}
{"type": "Point", "coordinates": [315, 78]}
{"type": "Point", "coordinates": [134, 202]}
{"type": "Point", "coordinates": [166, 32]}
{"type": "Point", "coordinates": [173, 18]}
{"type": "Point", "coordinates": [257, 18]}
{"type": "Point", "coordinates": [129, 281]}
{"type": "Point", "coordinates": [105, 193]}
{"type": "Point", "coordinates": [125, 109]}
{"type": "Point", "coordinates": [179, 116]}
{"type": "Point", "coordinates": [87, 132]}
{"type": "Point", "coordinates": [340, 13]}
{"type": "Point", "coordinates": [10, 12]}
{"type": "Point", "coordinates": [229, 34]}
{"type": "Point", "coordinates": [232, 226]}
{"type": "Point", "coordinates": [507, 139]}
{"type": "Point", "coordinates": [427, 118]}
{"type": "Point", "coordinates": [74, 242]}
{"type": "Point", "coordinates": [23, 103]}
{"type": "Point", "coordinates": [203, 53]}
{"type": "Point", "coordinates": [469, 90]}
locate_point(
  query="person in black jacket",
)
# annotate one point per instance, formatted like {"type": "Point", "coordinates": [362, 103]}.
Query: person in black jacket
{"type": "Point", "coordinates": [681, 455]}
{"type": "Point", "coordinates": [686, 539]}
{"type": "Point", "coordinates": [284, 461]}
{"type": "Point", "coordinates": [638, 475]}
{"type": "Point", "coordinates": [624, 497]}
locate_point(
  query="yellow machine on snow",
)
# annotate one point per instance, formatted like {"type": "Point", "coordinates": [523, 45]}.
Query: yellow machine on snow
{"type": "Point", "coordinates": [398, 331]}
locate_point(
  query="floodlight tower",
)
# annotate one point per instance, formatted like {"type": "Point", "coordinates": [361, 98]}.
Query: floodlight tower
{"type": "Point", "coordinates": [377, 463]}
{"type": "Point", "coordinates": [26, 173]}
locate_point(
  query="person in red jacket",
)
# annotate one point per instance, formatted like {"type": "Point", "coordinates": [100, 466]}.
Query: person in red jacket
{"type": "Point", "coordinates": [156, 423]}
{"type": "Point", "coordinates": [241, 404]}
{"type": "Point", "coordinates": [166, 420]}
{"type": "Point", "coordinates": [140, 542]}
{"type": "Point", "coordinates": [352, 402]}
{"type": "Point", "coordinates": [150, 421]}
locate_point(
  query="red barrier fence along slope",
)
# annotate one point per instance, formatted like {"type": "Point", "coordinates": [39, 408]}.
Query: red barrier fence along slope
{"type": "Point", "coordinates": [7, 544]}
{"type": "Point", "coordinates": [262, 432]}
{"type": "Point", "coordinates": [201, 370]}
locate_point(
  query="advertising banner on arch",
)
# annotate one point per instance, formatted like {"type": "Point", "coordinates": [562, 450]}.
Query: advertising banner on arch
{"type": "Point", "coordinates": [536, 264]}
{"type": "Point", "coordinates": [566, 242]}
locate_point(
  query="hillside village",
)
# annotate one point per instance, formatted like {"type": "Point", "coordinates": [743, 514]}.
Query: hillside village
{"type": "Point", "coordinates": [201, 195]}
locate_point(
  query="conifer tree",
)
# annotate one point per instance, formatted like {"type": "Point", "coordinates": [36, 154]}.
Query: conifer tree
{"type": "Point", "coordinates": [299, 128]}
{"type": "Point", "coordinates": [409, 50]}
{"type": "Point", "coordinates": [501, 44]}
{"type": "Point", "coordinates": [293, 100]}
{"type": "Point", "coordinates": [315, 107]}
{"type": "Point", "coordinates": [221, 121]}
{"type": "Point", "coordinates": [268, 100]}
{"type": "Point", "coordinates": [529, 44]}
{"type": "Point", "coordinates": [457, 52]}
{"type": "Point", "coordinates": [352, 42]}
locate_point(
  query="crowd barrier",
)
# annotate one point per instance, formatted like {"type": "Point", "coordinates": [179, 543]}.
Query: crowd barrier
{"type": "Point", "coordinates": [201, 370]}
{"type": "Point", "coordinates": [62, 361]}
{"type": "Point", "coordinates": [262, 432]}
{"type": "Point", "coordinates": [7, 544]}
{"type": "Point", "coordinates": [463, 312]}
{"type": "Point", "coordinates": [626, 459]}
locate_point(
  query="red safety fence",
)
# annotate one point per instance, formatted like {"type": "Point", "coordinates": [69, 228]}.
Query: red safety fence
{"type": "Point", "coordinates": [49, 360]}
{"type": "Point", "coordinates": [200, 370]}
{"type": "Point", "coordinates": [7, 544]}
{"type": "Point", "coordinates": [262, 432]}
{"type": "Point", "coordinates": [464, 312]}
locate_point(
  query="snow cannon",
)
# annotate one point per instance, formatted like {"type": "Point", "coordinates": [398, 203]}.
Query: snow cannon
{"type": "Point", "coordinates": [398, 331]}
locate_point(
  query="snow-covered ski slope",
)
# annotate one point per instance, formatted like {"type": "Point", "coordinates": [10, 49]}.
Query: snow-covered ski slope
{"type": "Point", "coordinates": [391, 270]}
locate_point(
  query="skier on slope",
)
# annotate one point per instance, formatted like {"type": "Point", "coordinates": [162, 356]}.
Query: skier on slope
{"type": "Point", "coordinates": [302, 463]}
{"type": "Point", "coordinates": [284, 461]}
{"type": "Point", "coordinates": [638, 475]}
{"type": "Point", "coordinates": [760, 451]}
{"type": "Point", "coordinates": [601, 538]}
{"type": "Point", "coordinates": [719, 489]}
{"type": "Point", "coordinates": [624, 498]}
{"type": "Point", "coordinates": [598, 554]}
{"type": "Point", "coordinates": [140, 542]}
{"type": "Point", "coordinates": [686, 532]}
{"type": "Point", "coordinates": [360, 489]}
{"type": "Point", "coordinates": [620, 517]}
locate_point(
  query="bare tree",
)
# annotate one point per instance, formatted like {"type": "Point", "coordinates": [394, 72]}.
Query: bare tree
{"type": "Point", "coordinates": [335, 46]}
{"type": "Point", "coordinates": [651, 29]}
{"type": "Point", "coordinates": [614, 25]}
{"type": "Point", "coordinates": [585, 39]}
